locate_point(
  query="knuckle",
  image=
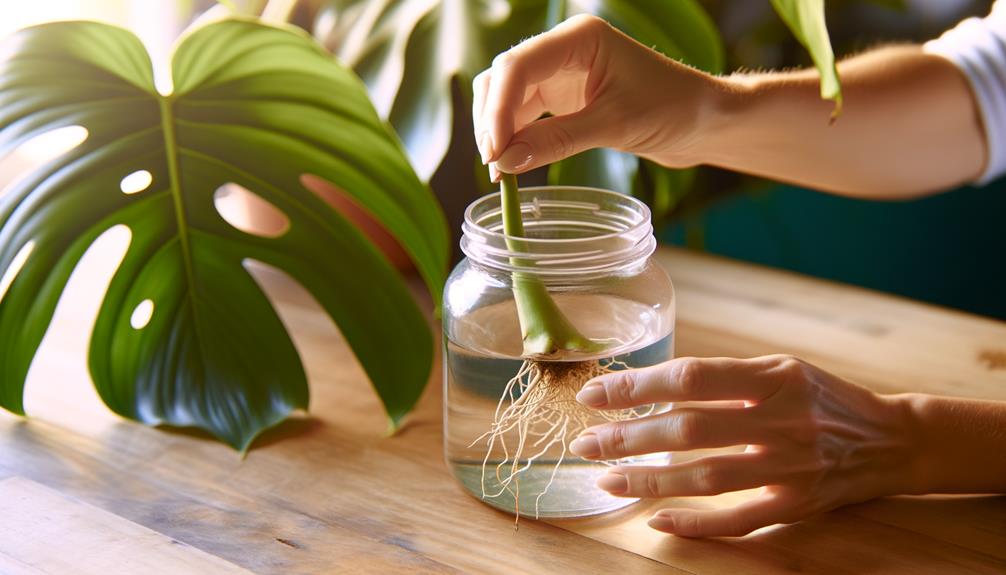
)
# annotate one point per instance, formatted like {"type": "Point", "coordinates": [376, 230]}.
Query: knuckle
{"type": "Point", "coordinates": [688, 376]}
{"type": "Point", "coordinates": [617, 441]}
{"type": "Point", "coordinates": [791, 367]}
{"type": "Point", "coordinates": [688, 524]}
{"type": "Point", "coordinates": [622, 391]}
{"type": "Point", "coordinates": [505, 60]}
{"type": "Point", "coordinates": [708, 479]}
{"type": "Point", "coordinates": [480, 80]}
{"type": "Point", "coordinates": [587, 23]}
{"type": "Point", "coordinates": [560, 141]}
{"type": "Point", "coordinates": [651, 485]}
{"type": "Point", "coordinates": [687, 428]}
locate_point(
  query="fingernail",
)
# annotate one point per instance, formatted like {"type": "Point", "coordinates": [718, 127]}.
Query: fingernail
{"type": "Point", "coordinates": [586, 445]}
{"type": "Point", "coordinates": [661, 523]}
{"type": "Point", "coordinates": [485, 147]}
{"type": "Point", "coordinates": [494, 173]}
{"type": "Point", "coordinates": [613, 483]}
{"type": "Point", "coordinates": [593, 395]}
{"type": "Point", "coordinates": [515, 158]}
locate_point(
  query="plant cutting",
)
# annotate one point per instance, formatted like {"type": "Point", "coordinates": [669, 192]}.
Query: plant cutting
{"type": "Point", "coordinates": [530, 315]}
{"type": "Point", "coordinates": [539, 401]}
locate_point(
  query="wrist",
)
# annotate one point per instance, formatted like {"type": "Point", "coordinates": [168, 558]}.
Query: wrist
{"type": "Point", "coordinates": [958, 444]}
{"type": "Point", "coordinates": [917, 476]}
{"type": "Point", "coordinates": [724, 108]}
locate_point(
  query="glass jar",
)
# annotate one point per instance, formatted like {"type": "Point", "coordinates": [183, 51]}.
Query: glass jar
{"type": "Point", "coordinates": [508, 419]}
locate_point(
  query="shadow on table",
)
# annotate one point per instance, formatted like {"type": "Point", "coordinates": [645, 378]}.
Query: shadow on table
{"type": "Point", "coordinates": [295, 426]}
{"type": "Point", "coordinates": [919, 535]}
{"type": "Point", "coordinates": [898, 533]}
{"type": "Point", "coordinates": [28, 453]}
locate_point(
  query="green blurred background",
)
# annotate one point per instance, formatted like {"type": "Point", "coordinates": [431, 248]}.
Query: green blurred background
{"type": "Point", "coordinates": [947, 249]}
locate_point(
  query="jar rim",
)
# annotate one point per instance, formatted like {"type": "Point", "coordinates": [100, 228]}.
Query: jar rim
{"type": "Point", "coordinates": [610, 230]}
{"type": "Point", "coordinates": [643, 208]}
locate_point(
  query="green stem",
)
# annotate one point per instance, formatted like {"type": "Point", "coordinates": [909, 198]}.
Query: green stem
{"type": "Point", "coordinates": [546, 331]}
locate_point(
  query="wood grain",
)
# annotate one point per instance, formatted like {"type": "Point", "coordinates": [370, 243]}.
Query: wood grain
{"type": "Point", "coordinates": [329, 492]}
{"type": "Point", "coordinates": [42, 531]}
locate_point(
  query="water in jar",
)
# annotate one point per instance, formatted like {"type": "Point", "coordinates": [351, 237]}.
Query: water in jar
{"type": "Point", "coordinates": [484, 358]}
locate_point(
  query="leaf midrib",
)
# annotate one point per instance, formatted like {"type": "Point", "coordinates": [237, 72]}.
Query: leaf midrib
{"type": "Point", "coordinates": [174, 185]}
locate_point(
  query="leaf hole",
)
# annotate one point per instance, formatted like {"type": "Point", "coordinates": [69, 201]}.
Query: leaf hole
{"type": "Point", "coordinates": [142, 314]}
{"type": "Point", "coordinates": [23, 159]}
{"type": "Point", "coordinates": [358, 215]}
{"type": "Point", "coordinates": [20, 258]}
{"type": "Point", "coordinates": [53, 143]}
{"type": "Point", "coordinates": [136, 182]}
{"type": "Point", "coordinates": [249, 212]}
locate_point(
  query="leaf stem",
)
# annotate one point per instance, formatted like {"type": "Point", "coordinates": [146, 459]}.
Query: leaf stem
{"type": "Point", "coordinates": [544, 328]}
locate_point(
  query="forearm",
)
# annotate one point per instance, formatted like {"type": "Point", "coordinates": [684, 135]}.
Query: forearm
{"type": "Point", "coordinates": [909, 126]}
{"type": "Point", "coordinates": [957, 445]}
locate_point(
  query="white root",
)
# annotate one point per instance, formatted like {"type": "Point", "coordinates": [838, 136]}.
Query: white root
{"type": "Point", "coordinates": [539, 405]}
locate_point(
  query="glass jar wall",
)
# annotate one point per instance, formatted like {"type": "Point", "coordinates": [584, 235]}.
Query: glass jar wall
{"type": "Point", "coordinates": [508, 419]}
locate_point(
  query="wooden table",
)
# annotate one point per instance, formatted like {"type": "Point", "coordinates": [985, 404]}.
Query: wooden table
{"type": "Point", "coordinates": [82, 491]}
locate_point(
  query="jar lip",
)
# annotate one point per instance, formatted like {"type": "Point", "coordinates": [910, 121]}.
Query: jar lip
{"type": "Point", "coordinates": [644, 221]}
{"type": "Point", "coordinates": [607, 232]}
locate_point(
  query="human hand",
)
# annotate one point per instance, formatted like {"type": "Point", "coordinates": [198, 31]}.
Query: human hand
{"type": "Point", "coordinates": [814, 441]}
{"type": "Point", "coordinates": [602, 88]}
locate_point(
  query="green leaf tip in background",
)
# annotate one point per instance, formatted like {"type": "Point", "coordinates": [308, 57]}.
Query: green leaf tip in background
{"type": "Point", "coordinates": [253, 105]}
{"type": "Point", "coordinates": [805, 18]}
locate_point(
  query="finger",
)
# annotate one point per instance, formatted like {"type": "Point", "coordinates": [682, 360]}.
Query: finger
{"type": "Point", "coordinates": [552, 139]}
{"type": "Point", "coordinates": [480, 86]}
{"type": "Point", "coordinates": [684, 379]}
{"type": "Point", "coordinates": [705, 476]}
{"type": "Point", "coordinates": [764, 510]}
{"type": "Point", "coordinates": [573, 43]}
{"type": "Point", "coordinates": [529, 111]}
{"type": "Point", "coordinates": [677, 430]}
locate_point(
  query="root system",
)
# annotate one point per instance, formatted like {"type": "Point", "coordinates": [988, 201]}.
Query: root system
{"type": "Point", "coordinates": [538, 412]}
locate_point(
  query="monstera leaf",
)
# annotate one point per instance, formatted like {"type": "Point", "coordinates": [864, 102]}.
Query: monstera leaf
{"type": "Point", "coordinates": [253, 105]}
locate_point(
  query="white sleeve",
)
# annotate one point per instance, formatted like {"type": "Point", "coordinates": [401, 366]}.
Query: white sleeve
{"type": "Point", "coordinates": [978, 47]}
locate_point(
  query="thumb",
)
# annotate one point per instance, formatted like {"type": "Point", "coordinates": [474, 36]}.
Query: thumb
{"type": "Point", "coordinates": [551, 139]}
